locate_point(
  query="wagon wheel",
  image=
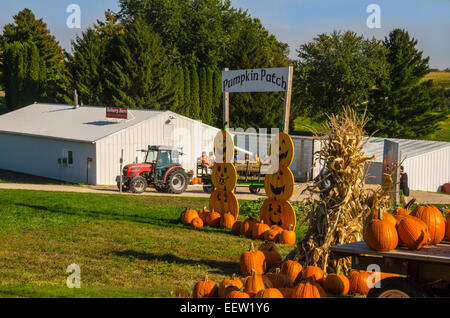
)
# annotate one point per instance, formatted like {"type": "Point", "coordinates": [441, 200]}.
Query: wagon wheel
{"type": "Point", "coordinates": [396, 287]}
{"type": "Point", "coordinates": [208, 188]}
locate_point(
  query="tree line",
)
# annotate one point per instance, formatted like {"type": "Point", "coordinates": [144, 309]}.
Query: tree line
{"type": "Point", "coordinates": [157, 54]}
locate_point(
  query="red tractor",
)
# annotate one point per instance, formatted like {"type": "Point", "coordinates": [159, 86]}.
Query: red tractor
{"type": "Point", "coordinates": [161, 168]}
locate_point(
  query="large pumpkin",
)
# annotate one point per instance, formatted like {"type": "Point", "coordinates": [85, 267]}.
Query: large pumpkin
{"type": "Point", "coordinates": [308, 289]}
{"type": "Point", "coordinates": [380, 234]}
{"type": "Point", "coordinates": [448, 226]}
{"type": "Point", "coordinates": [224, 147]}
{"type": "Point", "coordinates": [360, 282]}
{"type": "Point", "coordinates": [275, 212]}
{"type": "Point", "coordinates": [271, 254]}
{"type": "Point", "coordinates": [288, 236]}
{"type": "Point", "coordinates": [280, 185]}
{"type": "Point", "coordinates": [213, 219]}
{"type": "Point", "coordinates": [279, 280]}
{"type": "Point", "coordinates": [315, 273]}
{"type": "Point", "coordinates": [252, 260]}
{"type": "Point", "coordinates": [283, 147]}
{"type": "Point", "coordinates": [269, 293]}
{"type": "Point", "coordinates": [337, 284]}
{"type": "Point", "coordinates": [434, 220]}
{"type": "Point", "coordinates": [224, 201]}
{"type": "Point", "coordinates": [227, 221]}
{"type": "Point", "coordinates": [413, 232]}
{"type": "Point", "coordinates": [224, 176]}
{"type": "Point", "coordinates": [188, 215]}
{"type": "Point", "coordinates": [293, 269]}
{"type": "Point", "coordinates": [259, 229]}
{"type": "Point", "coordinates": [254, 283]}
{"type": "Point", "coordinates": [224, 287]}
{"type": "Point", "coordinates": [205, 289]}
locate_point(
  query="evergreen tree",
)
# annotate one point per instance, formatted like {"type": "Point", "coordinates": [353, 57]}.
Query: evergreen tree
{"type": "Point", "coordinates": [217, 98]}
{"type": "Point", "coordinates": [187, 93]}
{"type": "Point", "coordinates": [401, 105]}
{"type": "Point", "coordinates": [209, 118]}
{"type": "Point", "coordinates": [204, 111]}
{"type": "Point", "coordinates": [32, 79]}
{"type": "Point", "coordinates": [195, 94]}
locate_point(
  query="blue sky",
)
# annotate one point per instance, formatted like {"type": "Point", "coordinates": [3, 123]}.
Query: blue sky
{"type": "Point", "coordinates": [292, 21]}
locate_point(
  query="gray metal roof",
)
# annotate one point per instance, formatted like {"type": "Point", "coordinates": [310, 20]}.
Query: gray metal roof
{"type": "Point", "coordinates": [408, 147]}
{"type": "Point", "coordinates": [86, 123]}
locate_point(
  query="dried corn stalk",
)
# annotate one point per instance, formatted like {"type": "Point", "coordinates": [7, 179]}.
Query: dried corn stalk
{"type": "Point", "coordinates": [340, 211]}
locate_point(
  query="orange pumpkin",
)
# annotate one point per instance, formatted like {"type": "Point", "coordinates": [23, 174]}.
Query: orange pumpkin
{"type": "Point", "coordinates": [271, 254]}
{"type": "Point", "coordinates": [224, 201]}
{"type": "Point", "coordinates": [197, 222]}
{"type": "Point", "coordinates": [313, 272]}
{"type": "Point", "coordinates": [236, 228]}
{"type": "Point", "coordinates": [226, 285]}
{"type": "Point", "coordinates": [379, 233]}
{"type": "Point", "coordinates": [337, 284]}
{"type": "Point", "coordinates": [413, 232]}
{"type": "Point", "coordinates": [252, 260]}
{"type": "Point", "coordinates": [272, 235]}
{"type": "Point", "coordinates": [202, 213]}
{"type": "Point", "coordinates": [226, 221]}
{"type": "Point", "coordinates": [308, 289]}
{"type": "Point", "coordinates": [259, 229]}
{"type": "Point", "coordinates": [205, 289]}
{"type": "Point", "coordinates": [279, 280]}
{"type": "Point", "coordinates": [254, 283]}
{"type": "Point", "coordinates": [237, 294]}
{"type": "Point", "coordinates": [293, 269]}
{"type": "Point", "coordinates": [247, 226]}
{"type": "Point", "coordinates": [188, 216]}
{"type": "Point", "coordinates": [448, 226]}
{"type": "Point", "coordinates": [213, 219]}
{"type": "Point", "coordinates": [279, 213]}
{"type": "Point", "coordinates": [360, 282]}
{"type": "Point", "coordinates": [288, 236]}
{"type": "Point", "coordinates": [269, 293]}
{"type": "Point", "coordinates": [435, 221]}
{"type": "Point", "coordinates": [286, 291]}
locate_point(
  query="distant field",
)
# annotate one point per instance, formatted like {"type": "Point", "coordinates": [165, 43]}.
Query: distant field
{"type": "Point", "coordinates": [440, 78]}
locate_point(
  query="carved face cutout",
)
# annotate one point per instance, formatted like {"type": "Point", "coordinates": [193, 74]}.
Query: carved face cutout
{"type": "Point", "coordinates": [224, 147]}
{"type": "Point", "coordinates": [280, 185]}
{"type": "Point", "coordinates": [285, 146]}
{"type": "Point", "coordinates": [279, 213]}
{"type": "Point", "coordinates": [224, 201]}
{"type": "Point", "coordinates": [224, 176]}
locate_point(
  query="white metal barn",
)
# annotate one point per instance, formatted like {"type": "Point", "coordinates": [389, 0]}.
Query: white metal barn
{"type": "Point", "coordinates": [427, 163]}
{"type": "Point", "coordinates": [55, 141]}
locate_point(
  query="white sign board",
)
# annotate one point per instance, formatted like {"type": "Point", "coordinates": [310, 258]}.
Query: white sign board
{"type": "Point", "coordinates": [256, 80]}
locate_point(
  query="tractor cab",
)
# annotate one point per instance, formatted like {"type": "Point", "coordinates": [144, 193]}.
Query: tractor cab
{"type": "Point", "coordinates": [161, 168]}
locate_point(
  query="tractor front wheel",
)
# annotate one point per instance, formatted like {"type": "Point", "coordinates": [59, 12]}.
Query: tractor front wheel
{"type": "Point", "coordinates": [138, 184]}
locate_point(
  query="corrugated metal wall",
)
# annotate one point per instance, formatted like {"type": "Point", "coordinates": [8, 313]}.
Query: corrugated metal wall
{"type": "Point", "coordinates": [168, 129]}
{"type": "Point", "coordinates": [39, 156]}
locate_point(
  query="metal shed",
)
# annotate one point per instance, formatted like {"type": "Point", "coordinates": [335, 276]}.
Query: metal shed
{"type": "Point", "coordinates": [81, 145]}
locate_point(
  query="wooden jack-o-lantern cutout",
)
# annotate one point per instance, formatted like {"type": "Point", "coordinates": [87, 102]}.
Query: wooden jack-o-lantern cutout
{"type": "Point", "coordinates": [224, 201]}
{"type": "Point", "coordinates": [224, 176]}
{"type": "Point", "coordinates": [280, 185]}
{"type": "Point", "coordinates": [224, 147]}
{"type": "Point", "coordinates": [281, 213]}
{"type": "Point", "coordinates": [283, 146]}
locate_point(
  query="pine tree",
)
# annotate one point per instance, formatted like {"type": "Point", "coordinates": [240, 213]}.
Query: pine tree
{"type": "Point", "coordinates": [187, 93]}
{"type": "Point", "coordinates": [217, 98]}
{"type": "Point", "coordinates": [209, 119]}
{"type": "Point", "coordinates": [204, 111]}
{"type": "Point", "coordinates": [195, 94]}
{"type": "Point", "coordinates": [32, 78]}
{"type": "Point", "coordinates": [401, 104]}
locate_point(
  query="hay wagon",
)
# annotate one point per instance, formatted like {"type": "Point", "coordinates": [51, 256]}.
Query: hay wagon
{"type": "Point", "coordinates": [424, 273]}
{"type": "Point", "coordinates": [249, 174]}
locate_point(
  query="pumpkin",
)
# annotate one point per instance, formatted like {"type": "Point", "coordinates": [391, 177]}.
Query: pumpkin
{"type": "Point", "coordinates": [280, 185]}
{"type": "Point", "coordinates": [226, 221]}
{"type": "Point", "coordinates": [286, 291]}
{"type": "Point", "coordinates": [279, 280]}
{"type": "Point", "coordinates": [254, 283]}
{"type": "Point", "coordinates": [279, 213]}
{"type": "Point", "coordinates": [337, 284]}
{"type": "Point", "coordinates": [448, 226]}
{"type": "Point", "coordinates": [386, 216]}
{"type": "Point", "coordinates": [308, 289]}
{"type": "Point", "coordinates": [259, 229]}
{"type": "Point", "coordinates": [288, 236]}
{"type": "Point", "coordinates": [202, 213]}
{"type": "Point", "coordinates": [224, 147]}
{"type": "Point", "coordinates": [269, 293]}
{"type": "Point", "coordinates": [282, 149]}
{"type": "Point", "coordinates": [360, 282]}
{"type": "Point", "coordinates": [224, 201]}
{"type": "Point", "coordinates": [377, 276]}
{"type": "Point", "coordinates": [224, 176]}
{"type": "Point", "coordinates": [247, 226]}
{"type": "Point", "coordinates": [293, 269]}
{"type": "Point", "coordinates": [435, 221]}
{"type": "Point", "coordinates": [226, 285]}
{"type": "Point", "coordinates": [272, 235]}
{"type": "Point", "coordinates": [213, 219]}
{"type": "Point", "coordinates": [197, 222]}
{"type": "Point", "coordinates": [252, 260]}
{"type": "Point", "coordinates": [194, 181]}
{"type": "Point", "coordinates": [315, 273]}
{"type": "Point", "coordinates": [379, 233]}
{"type": "Point", "coordinates": [236, 228]}
{"type": "Point", "coordinates": [188, 216]}
{"type": "Point", "coordinates": [237, 294]}
{"type": "Point", "coordinates": [271, 254]}
{"type": "Point", "coordinates": [205, 289]}
{"type": "Point", "coordinates": [402, 211]}
{"type": "Point", "coordinates": [413, 232]}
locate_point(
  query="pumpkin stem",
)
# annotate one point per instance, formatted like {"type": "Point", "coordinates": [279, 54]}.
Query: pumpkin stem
{"type": "Point", "coordinates": [252, 247]}
{"type": "Point", "coordinates": [380, 214]}
{"type": "Point", "coordinates": [254, 272]}
{"type": "Point", "coordinates": [290, 227]}
{"type": "Point", "coordinates": [206, 278]}
{"type": "Point", "coordinates": [277, 271]}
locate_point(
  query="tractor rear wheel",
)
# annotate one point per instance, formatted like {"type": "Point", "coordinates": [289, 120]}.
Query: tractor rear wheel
{"type": "Point", "coordinates": [177, 181]}
{"type": "Point", "coordinates": [138, 184]}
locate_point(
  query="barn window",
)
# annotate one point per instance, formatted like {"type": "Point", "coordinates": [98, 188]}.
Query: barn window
{"type": "Point", "coordinates": [68, 157]}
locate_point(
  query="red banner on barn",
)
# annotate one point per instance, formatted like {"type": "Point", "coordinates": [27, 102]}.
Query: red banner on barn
{"type": "Point", "coordinates": [116, 112]}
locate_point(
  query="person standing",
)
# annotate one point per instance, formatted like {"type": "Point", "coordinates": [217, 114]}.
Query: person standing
{"type": "Point", "coordinates": [404, 189]}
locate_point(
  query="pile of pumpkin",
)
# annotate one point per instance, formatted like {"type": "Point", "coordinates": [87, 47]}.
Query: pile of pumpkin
{"type": "Point", "coordinates": [249, 227]}
{"type": "Point", "coordinates": [425, 225]}
{"type": "Point", "coordinates": [196, 181]}
{"type": "Point", "coordinates": [285, 280]}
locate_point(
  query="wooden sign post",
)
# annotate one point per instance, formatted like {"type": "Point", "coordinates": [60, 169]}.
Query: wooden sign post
{"type": "Point", "coordinates": [226, 107]}
{"type": "Point", "coordinates": [287, 101]}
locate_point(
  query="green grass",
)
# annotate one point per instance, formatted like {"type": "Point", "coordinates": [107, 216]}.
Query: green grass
{"type": "Point", "coordinates": [440, 78]}
{"type": "Point", "coordinates": [303, 126]}
{"type": "Point", "coordinates": [126, 246]}
{"type": "Point", "coordinates": [443, 131]}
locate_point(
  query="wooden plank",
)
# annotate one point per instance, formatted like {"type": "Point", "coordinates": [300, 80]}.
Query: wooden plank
{"type": "Point", "coordinates": [287, 101]}
{"type": "Point", "coordinates": [439, 253]}
{"type": "Point", "coordinates": [226, 107]}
